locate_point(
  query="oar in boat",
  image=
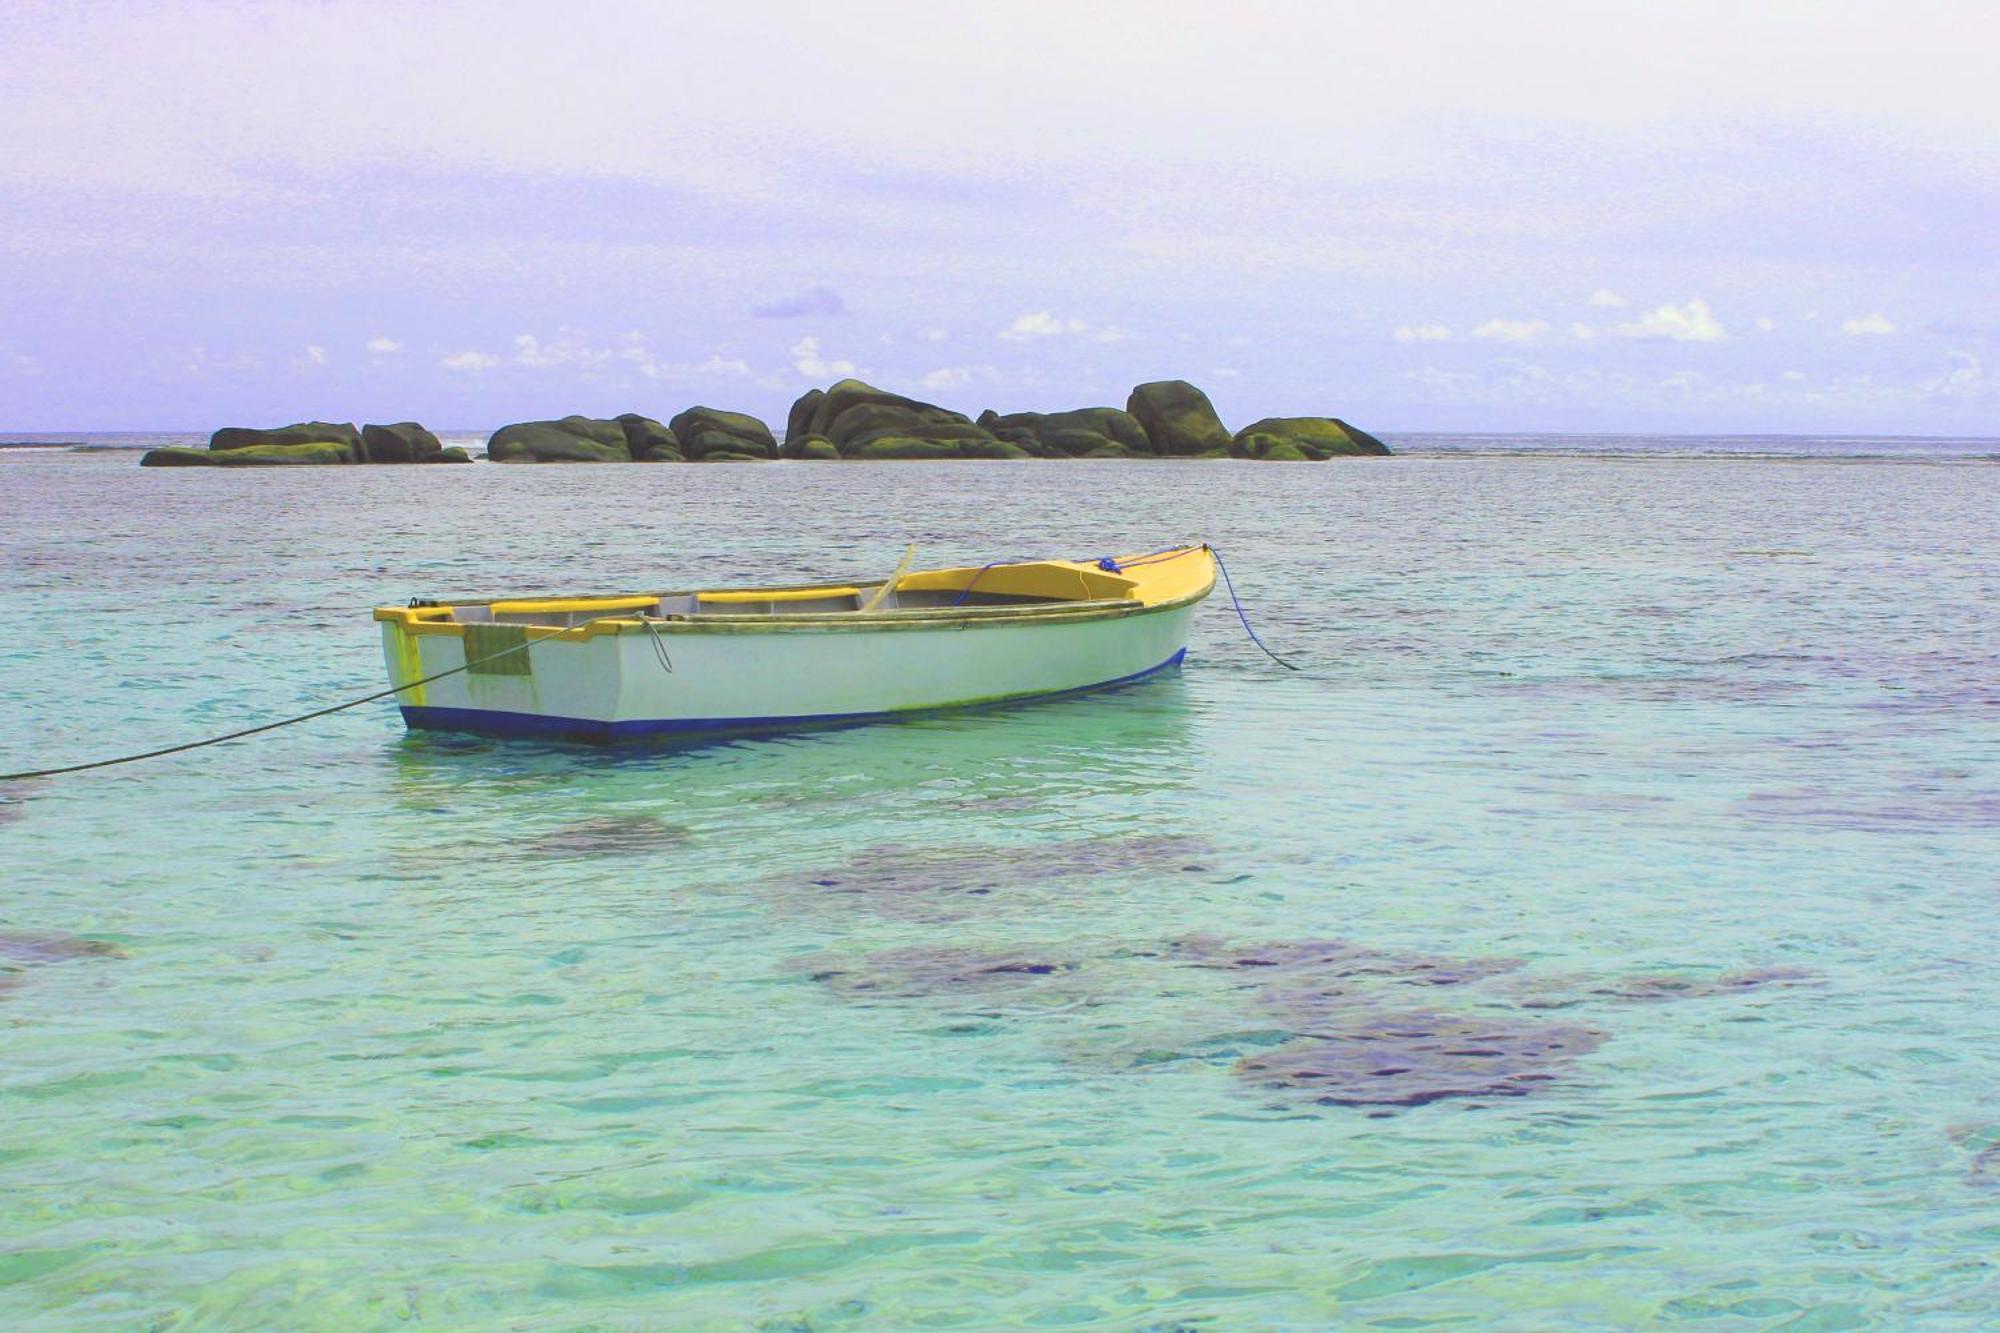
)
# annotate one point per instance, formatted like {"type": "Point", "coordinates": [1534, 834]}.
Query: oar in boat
{"type": "Point", "coordinates": [881, 594]}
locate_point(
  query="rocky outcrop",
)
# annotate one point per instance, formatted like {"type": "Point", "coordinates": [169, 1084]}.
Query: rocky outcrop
{"type": "Point", "coordinates": [299, 432]}
{"type": "Point", "coordinates": [1086, 432]}
{"type": "Point", "coordinates": [861, 421]}
{"type": "Point", "coordinates": [318, 443]}
{"type": "Point", "coordinates": [404, 442]}
{"type": "Point", "coordinates": [316, 453]}
{"type": "Point", "coordinates": [1179, 420]}
{"type": "Point", "coordinates": [648, 441]}
{"type": "Point", "coordinates": [570, 440]}
{"type": "Point", "coordinates": [851, 420]}
{"type": "Point", "coordinates": [710, 435]}
{"type": "Point", "coordinates": [1304, 439]}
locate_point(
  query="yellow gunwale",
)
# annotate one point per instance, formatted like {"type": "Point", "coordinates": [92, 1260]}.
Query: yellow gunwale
{"type": "Point", "coordinates": [558, 605]}
{"type": "Point", "coordinates": [775, 595]}
{"type": "Point", "coordinates": [1138, 590]}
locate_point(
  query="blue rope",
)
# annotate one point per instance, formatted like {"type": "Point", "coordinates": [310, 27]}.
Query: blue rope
{"type": "Point", "coordinates": [1230, 584]}
{"type": "Point", "coordinates": [960, 599]}
{"type": "Point", "coordinates": [1112, 565]}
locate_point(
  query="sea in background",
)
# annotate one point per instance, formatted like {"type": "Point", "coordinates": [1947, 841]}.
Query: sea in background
{"type": "Point", "coordinates": [1871, 447]}
{"type": "Point", "coordinates": [1597, 930]}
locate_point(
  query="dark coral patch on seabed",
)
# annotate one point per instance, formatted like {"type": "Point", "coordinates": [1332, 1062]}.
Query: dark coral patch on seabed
{"type": "Point", "coordinates": [1657, 987]}
{"type": "Point", "coordinates": [1414, 1057]}
{"type": "Point", "coordinates": [1983, 1141]}
{"type": "Point", "coordinates": [917, 972]}
{"type": "Point", "coordinates": [1345, 1049]}
{"type": "Point", "coordinates": [606, 835]}
{"type": "Point", "coordinates": [1335, 960]}
{"type": "Point", "coordinates": [47, 946]}
{"type": "Point", "coordinates": [53, 946]}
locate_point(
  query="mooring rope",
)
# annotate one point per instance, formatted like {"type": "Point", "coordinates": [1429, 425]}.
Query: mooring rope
{"type": "Point", "coordinates": [1113, 565]}
{"type": "Point", "coordinates": [283, 722]}
{"type": "Point", "coordinates": [1230, 584]}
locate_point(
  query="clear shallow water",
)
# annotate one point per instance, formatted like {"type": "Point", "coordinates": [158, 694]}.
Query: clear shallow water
{"type": "Point", "coordinates": [1644, 814]}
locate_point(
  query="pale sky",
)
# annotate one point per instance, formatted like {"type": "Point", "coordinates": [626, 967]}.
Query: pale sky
{"type": "Point", "coordinates": [1559, 216]}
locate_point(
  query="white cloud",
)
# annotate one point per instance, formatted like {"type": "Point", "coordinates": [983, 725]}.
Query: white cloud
{"type": "Point", "coordinates": [316, 354]}
{"type": "Point", "coordinates": [1423, 333]}
{"type": "Point", "coordinates": [199, 362]}
{"type": "Point", "coordinates": [1511, 330]}
{"type": "Point", "coordinates": [1110, 336]}
{"type": "Point", "coordinates": [948, 377]}
{"type": "Point", "coordinates": [568, 348]}
{"type": "Point", "coordinates": [1793, 375]}
{"type": "Point", "coordinates": [1877, 323]}
{"type": "Point", "coordinates": [1765, 324]}
{"type": "Point", "coordinates": [381, 346]}
{"type": "Point", "coordinates": [577, 350]}
{"type": "Point", "coordinates": [632, 350]}
{"type": "Point", "coordinates": [469, 361]}
{"type": "Point", "coordinates": [13, 363]}
{"type": "Point", "coordinates": [933, 335]}
{"type": "Point", "coordinates": [1690, 323]}
{"type": "Point", "coordinates": [1040, 324]}
{"type": "Point", "coordinates": [1963, 382]}
{"type": "Point", "coordinates": [1607, 299]}
{"type": "Point", "coordinates": [717, 364]}
{"type": "Point", "coordinates": [1583, 333]}
{"type": "Point", "coordinates": [808, 362]}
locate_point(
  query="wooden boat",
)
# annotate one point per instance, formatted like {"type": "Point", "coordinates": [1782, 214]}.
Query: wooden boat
{"type": "Point", "coordinates": [745, 660]}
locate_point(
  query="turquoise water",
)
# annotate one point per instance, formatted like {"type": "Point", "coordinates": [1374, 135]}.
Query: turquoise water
{"type": "Point", "coordinates": [1599, 932]}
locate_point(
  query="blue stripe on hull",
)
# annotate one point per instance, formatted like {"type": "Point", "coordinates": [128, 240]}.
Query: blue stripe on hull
{"type": "Point", "coordinates": [489, 722]}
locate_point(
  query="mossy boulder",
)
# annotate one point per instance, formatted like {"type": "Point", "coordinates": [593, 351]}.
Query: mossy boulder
{"type": "Point", "coordinates": [299, 432]}
{"type": "Point", "coordinates": [709, 434]}
{"type": "Point", "coordinates": [1079, 433]}
{"type": "Point", "coordinates": [845, 395]}
{"type": "Point", "coordinates": [799, 422]}
{"type": "Point", "coordinates": [1297, 439]}
{"type": "Point", "coordinates": [648, 441]}
{"type": "Point", "coordinates": [888, 445]}
{"type": "Point", "coordinates": [1179, 420]}
{"type": "Point", "coordinates": [175, 456]}
{"type": "Point", "coordinates": [319, 453]}
{"type": "Point", "coordinates": [570, 440]}
{"type": "Point", "coordinates": [810, 448]}
{"type": "Point", "coordinates": [1272, 449]}
{"type": "Point", "coordinates": [863, 421]}
{"type": "Point", "coordinates": [404, 442]}
{"type": "Point", "coordinates": [454, 454]}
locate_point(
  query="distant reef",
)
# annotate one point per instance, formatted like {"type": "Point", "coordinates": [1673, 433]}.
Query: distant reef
{"type": "Point", "coordinates": [310, 443]}
{"type": "Point", "coordinates": [848, 420]}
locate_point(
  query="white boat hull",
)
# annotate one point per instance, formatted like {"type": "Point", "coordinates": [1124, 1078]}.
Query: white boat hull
{"type": "Point", "coordinates": [688, 681]}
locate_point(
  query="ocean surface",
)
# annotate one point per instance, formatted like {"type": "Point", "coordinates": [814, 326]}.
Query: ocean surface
{"type": "Point", "coordinates": [1599, 930]}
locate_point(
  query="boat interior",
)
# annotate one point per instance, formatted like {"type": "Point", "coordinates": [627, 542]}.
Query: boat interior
{"type": "Point", "coordinates": [1041, 584]}
{"type": "Point", "coordinates": [1032, 588]}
